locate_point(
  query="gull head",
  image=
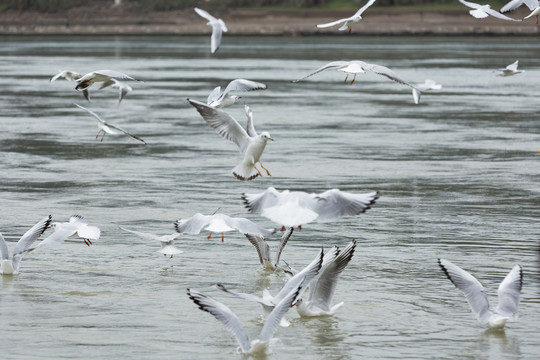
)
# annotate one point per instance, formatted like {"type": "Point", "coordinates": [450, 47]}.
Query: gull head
{"type": "Point", "coordinates": [266, 136]}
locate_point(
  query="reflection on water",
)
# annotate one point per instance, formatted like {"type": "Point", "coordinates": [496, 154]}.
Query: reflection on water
{"type": "Point", "coordinates": [457, 174]}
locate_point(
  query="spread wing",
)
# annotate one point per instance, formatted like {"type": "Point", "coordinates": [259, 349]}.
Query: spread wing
{"type": "Point", "coordinates": [214, 95]}
{"type": "Point", "coordinates": [333, 23]}
{"type": "Point", "coordinates": [246, 226]}
{"type": "Point", "coordinates": [509, 291]}
{"type": "Point", "coordinates": [205, 14]}
{"type": "Point", "coordinates": [134, 137]}
{"type": "Point", "coordinates": [364, 8]}
{"type": "Point", "coordinates": [514, 4]}
{"type": "Point", "coordinates": [386, 72]}
{"type": "Point", "coordinates": [263, 250]}
{"type": "Point", "coordinates": [498, 15]}
{"type": "Point", "coordinates": [250, 128]}
{"type": "Point", "coordinates": [114, 74]}
{"type": "Point", "coordinates": [513, 66]}
{"type": "Point", "coordinates": [470, 4]}
{"type": "Point", "coordinates": [32, 235]}
{"type": "Point", "coordinates": [256, 203]}
{"type": "Point", "coordinates": [224, 315]}
{"type": "Point", "coordinates": [224, 124]}
{"type": "Point", "coordinates": [274, 318]}
{"type": "Point", "coordinates": [192, 225]}
{"type": "Point", "coordinates": [4, 253]}
{"type": "Point", "coordinates": [215, 40]}
{"type": "Point", "coordinates": [330, 65]}
{"type": "Point", "coordinates": [248, 297]}
{"type": "Point", "coordinates": [473, 290]}
{"type": "Point", "coordinates": [284, 239]}
{"type": "Point", "coordinates": [243, 85]}
{"type": "Point", "coordinates": [334, 203]}
{"type": "Point", "coordinates": [91, 113]}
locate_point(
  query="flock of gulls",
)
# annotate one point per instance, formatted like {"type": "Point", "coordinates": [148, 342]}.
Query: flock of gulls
{"type": "Point", "coordinates": [311, 289]}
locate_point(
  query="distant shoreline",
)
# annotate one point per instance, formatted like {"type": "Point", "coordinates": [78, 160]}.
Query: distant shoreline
{"type": "Point", "coordinates": [379, 21]}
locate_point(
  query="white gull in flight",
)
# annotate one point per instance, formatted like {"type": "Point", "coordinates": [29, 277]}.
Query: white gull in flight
{"type": "Point", "coordinates": [71, 76]}
{"type": "Point", "coordinates": [510, 70]}
{"type": "Point", "coordinates": [218, 28]}
{"type": "Point", "coordinates": [220, 99]}
{"type": "Point", "coordinates": [63, 230]}
{"type": "Point", "coordinates": [85, 81]}
{"type": "Point", "coordinates": [348, 22]}
{"type": "Point", "coordinates": [167, 241]}
{"type": "Point", "coordinates": [483, 11]}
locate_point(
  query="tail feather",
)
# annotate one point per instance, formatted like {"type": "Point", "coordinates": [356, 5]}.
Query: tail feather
{"type": "Point", "coordinates": [245, 172]}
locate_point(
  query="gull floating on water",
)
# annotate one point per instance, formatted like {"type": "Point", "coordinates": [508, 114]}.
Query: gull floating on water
{"type": "Point", "coordinates": [263, 250]}
{"type": "Point", "coordinates": [220, 99]}
{"type": "Point", "coordinates": [167, 241]}
{"type": "Point", "coordinates": [357, 67]}
{"type": "Point", "coordinates": [219, 223]}
{"type": "Point", "coordinates": [71, 76]}
{"type": "Point", "coordinates": [295, 208]}
{"type": "Point", "coordinates": [348, 22]}
{"type": "Point", "coordinates": [483, 11]}
{"type": "Point", "coordinates": [425, 86]}
{"type": "Point", "coordinates": [249, 142]}
{"type": "Point", "coordinates": [533, 5]}
{"type": "Point", "coordinates": [106, 128]}
{"type": "Point", "coordinates": [123, 89]}
{"type": "Point", "coordinates": [234, 325]}
{"type": "Point", "coordinates": [299, 281]}
{"type": "Point", "coordinates": [323, 286]}
{"type": "Point", "coordinates": [509, 291]}
{"type": "Point", "coordinates": [510, 70]}
{"type": "Point", "coordinates": [11, 266]}
{"type": "Point", "coordinates": [63, 230]}
{"type": "Point", "coordinates": [87, 80]}
{"type": "Point", "coordinates": [218, 28]}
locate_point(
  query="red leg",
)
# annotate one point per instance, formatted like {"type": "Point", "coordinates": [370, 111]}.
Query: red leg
{"type": "Point", "coordinates": [283, 228]}
{"type": "Point", "coordinates": [222, 238]}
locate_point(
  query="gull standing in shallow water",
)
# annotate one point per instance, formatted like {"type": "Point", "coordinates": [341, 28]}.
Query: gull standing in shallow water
{"type": "Point", "coordinates": [167, 241]}
{"type": "Point", "coordinates": [509, 291]}
{"type": "Point", "coordinates": [106, 128]}
{"type": "Point", "coordinates": [71, 76]}
{"type": "Point", "coordinates": [348, 22]}
{"type": "Point", "coordinates": [483, 11]}
{"type": "Point", "coordinates": [218, 99]}
{"type": "Point", "coordinates": [510, 70]}
{"type": "Point", "coordinates": [76, 225]}
{"type": "Point", "coordinates": [295, 208]}
{"type": "Point", "coordinates": [234, 325]}
{"type": "Point", "coordinates": [249, 142]}
{"type": "Point", "coordinates": [11, 266]}
{"type": "Point", "coordinates": [219, 223]}
{"type": "Point", "coordinates": [218, 28]}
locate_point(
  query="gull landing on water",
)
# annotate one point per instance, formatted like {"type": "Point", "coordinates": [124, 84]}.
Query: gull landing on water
{"type": "Point", "coordinates": [167, 241]}
{"type": "Point", "coordinates": [249, 142]}
{"type": "Point", "coordinates": [509, 291]}
{"type": "Point", "coordinates": [11, 266]}
{"type": "Point", "coordinates": [219, 223]}
{"type": "Point", "coordinates": [218, 99]}
{"type": "Point", "coordinates": [348, 22]}
{"type": "Point", "coordinates": [218, 28]}
{"type": "Point", "coordinates": [510, 70]}
{"type": "Point", "coordinates": [106, 128]}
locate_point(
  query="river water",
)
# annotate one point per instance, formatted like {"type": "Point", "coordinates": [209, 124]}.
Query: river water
{"type": "Point", "coordinates": [457, 176]}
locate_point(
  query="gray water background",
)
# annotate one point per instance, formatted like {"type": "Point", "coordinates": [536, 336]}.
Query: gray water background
{"type": "Point", "coordinates": [457, 175]}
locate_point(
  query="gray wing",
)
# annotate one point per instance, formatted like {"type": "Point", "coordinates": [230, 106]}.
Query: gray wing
{"type": "Point", "coordinates": [142, 234]}
{"type": "Point", "coordinates": [91, 113]}
{"type": "Point", "coordinates": [256, 203]}
{"type": "Point", "coordinates": [284, 239]}
{"type": "Point", "coordinates": [326, 284]}
{"type": "Point", "coordinates": [498, 15]}
{"type": "Point", "coordinates": [416, 95]}
{"type": "Point", "coordinates": [205, 14]}
{"type": "Point", "coordinates": [247, 226]}
{"type": "Point", "coordinates": [214, 95]}
{"type": "Point", "coordinates": [329, 256]}
{"type": "Point", "coordinates": [386, 72]}
{"type": "Point", "coordinates": [224, 124]}
{"type": "Point", "coordinates": [114, 74]}
{"type": "Point", "coordinates": [514, 4]}
{"type": "Point", "coordinates": [274, 318]}
{"type": "Point", "coordinates": [134, 137]}
{"type": "Point", "coordinates": [513, 66]}
{"type": "Point", "coordinates": [330, 24]}
{"type": "Point", "coordinates": [473, 290]}
{"type": "Point", "coordinates": [470, 4]}
{"type": "Point", "coordinates": [32, 235]}
{"type": "Point", "coordinates": [4, 252]}
{"type": "Point", "coordinates": [243, 85]}
{"type": "Point", "coordinates": [215, 40]}
{"type": "Point", "coordinates": [334, 203]}
{"type": "Point", "coordinates": [330, 65]}
{"type": "Point", "coordinates": [364, 8]}
{"type": "Point", "coordinates": [248, 297]}
{"type": "Point", "coordinates": [224, 315]}
{"type": "Point", "coordinates": [260, 244]}
{"type": "Point", "coordinates": [509, 291]}
{"type": "Point", "coordinates": [250, 128]}
{"type": "Point", "coordinates": [192, 225]}
{"type": "Point", "coordinates": [59, 235]}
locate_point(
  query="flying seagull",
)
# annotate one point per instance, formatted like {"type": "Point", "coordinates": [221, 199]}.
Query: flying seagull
{"type": "Point", "coordinates": [509, 291]}
{"type": "Point", "coordinates": [87, 80]}
{"type": "Point", "coordinates": [71, 76]}
{"type": "Point", "coordinates": [218, 99]}
{"type": "Point", "coordinates": [123, 88]}
{"type": "Point", "coordinates": [425, 86]}
{"type": "Point", "coordinates": [510, 70]}
{"type": "Point", "coordinates": [249, 142]}
{"type": "Point", "coordinates": [348, 22]}
{"type": "Point", "coordinates": [483, 11]}
{"type": "Point", "coordinates": [218, 28]}
{"type": "Point", "coordinates": [107, 128]}
{"type": "Point", "coordinates": [11, 266]}
{"type": "Point", "coordinates": [167, 241]}
{"type": "Point", "coordinates": [533, 5]}
{"type": "Point", "coordinates": [63, 230]}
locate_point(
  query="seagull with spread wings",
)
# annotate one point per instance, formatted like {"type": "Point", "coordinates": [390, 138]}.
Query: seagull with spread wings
{"type": "Point", "coordinates": [533, 5]}
{"type": "Point", "coordinates": [510, 70]}
{"type": "Point", "coordinates": [348, 22]}
{"type": "Point", "coordinates": [249, 142]}
{"type": "Point", "coordinates": [483, 11]}
{"type": "Point", "coordinates": [167, 241]}
{"type": "Point", "coordinates": [63, 230]}
{"type": "Point", "coordinates": [218, 99]}
{"type": "Point", "coordinates": [509, 291]}
{"type": "Point", "coordinates": [218, 28]}
{"type": "Point", "coordinates": [85, 81]}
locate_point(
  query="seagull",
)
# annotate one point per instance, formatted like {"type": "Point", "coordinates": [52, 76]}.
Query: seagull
{"type": "Point", "coordinates": [263, 250]}
{"type": "Point", "coordinates": [219, 223]}
{"type": "Point", "coordinates": [167, 241]}
{"type": "Point", "coordinates": [510, 70]}
{"type": "Point", "coordinates": [11, 266]}
{"type": "Point", "coordinates": [234, 325]}
{"type": "Point", "coordinates": [71, 76]}
{"type": "Point", "coordinates": [300, 280]}
{"type": "Point", "coordinates": [295, 208]}
{"type": "Point", "coordinates": [356, 67]}
{"type": "Point", "coordinates": [533, 5]}
{"type": "Point", "coordinates": [218, 99]}
{"type": "Point", "coordinates": [348, 22]}
{"type": "Point", "coordinates": [509, 291]}
{"type": "Point", "coordinates": [218, 27]}
{"type": "Point", "coordinates": [87, 80]}
{"type": "Point", "coordinates": [106, 128]}
{"type": "Point", "coordinates": [115, 84]}
{"type": "Point", "coordinates": [323, 286]}
{"type": "Point", "coordinates": [425, 86]}
{"type": "Point", "coordinates": [63, 230]}
{"type": "Point", "coordinates": [249, 142]}
{"type": "Point", "coordinates": [483, 11]}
